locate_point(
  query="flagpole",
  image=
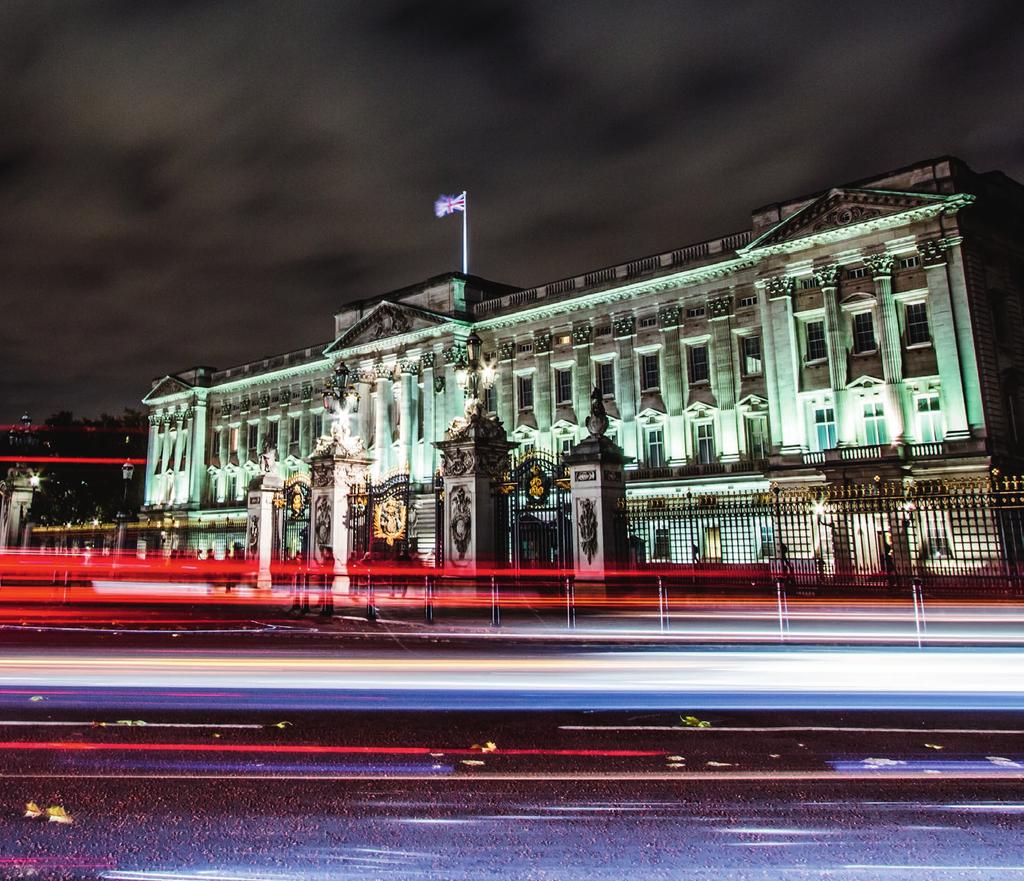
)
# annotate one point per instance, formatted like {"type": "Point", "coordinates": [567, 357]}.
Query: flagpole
{"type": "Point", "coordinates": [465, 236]}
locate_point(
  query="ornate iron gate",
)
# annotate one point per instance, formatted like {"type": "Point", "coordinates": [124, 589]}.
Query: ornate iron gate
{"type": "Point", "coordinates": [379, 519]}
{"type": "Point", "coordinates": [533, 512]}
{"type": "Point", "coordinates": [291, 534]}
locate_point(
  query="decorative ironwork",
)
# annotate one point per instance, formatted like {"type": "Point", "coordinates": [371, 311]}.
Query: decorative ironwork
{"type": "Point", "coordinates": [379, 518]}
{"type": "Point", "coordinates": [534, 513]}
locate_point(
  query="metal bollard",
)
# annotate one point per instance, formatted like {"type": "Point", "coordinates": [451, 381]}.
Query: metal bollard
{"type": "Point", "coordinates": [920, 625]}
{"type": "Point", "coordinates": [663, 619]}
{"type": "Point", "coordinates": [783, 606]}
{"type": "Point", "coordinates": [495, 603]}
{"type": "Point", "coordinates": [428, 599]}
{"type": "Point", "coordinates": [570, 603]}
{"type": "Point", "coordinates": [371, 607]}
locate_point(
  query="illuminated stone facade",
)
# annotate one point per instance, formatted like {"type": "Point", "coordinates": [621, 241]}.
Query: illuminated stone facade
{"type": "Point", "coordinates": [875, 328]}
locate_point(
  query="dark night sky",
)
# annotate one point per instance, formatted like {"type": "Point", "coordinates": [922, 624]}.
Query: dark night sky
{"type": "Point", "coordinates": [205, 182]}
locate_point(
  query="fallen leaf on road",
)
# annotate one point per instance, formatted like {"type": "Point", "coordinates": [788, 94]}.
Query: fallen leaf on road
{"type": "Point", "coordinates": [773, 755]}
{"type": "Point", "coordinates": [33, 811]}
{"type": "Point", "coordinates": [281, 725]}
{"type": "Point", "coordinates": [933, 746]}
{"type": "Point", "coordinates": [675, 758]}
{"type": "Point", "coordinates": [694, 722]}
{"type": "Point", "coordinates": [471, 762]}
{"type": "Point", "coordinates": [36, 698]}
{"type": "Point", "coordinates": [57, 814]}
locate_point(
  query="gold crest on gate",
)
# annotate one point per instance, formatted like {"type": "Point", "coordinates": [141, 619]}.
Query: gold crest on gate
{"type": "Point", "coordinates": [389, 519]}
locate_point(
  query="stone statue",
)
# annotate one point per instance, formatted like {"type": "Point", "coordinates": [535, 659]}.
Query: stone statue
{"type": "Point", "coordinates": [340, 440]}
{"type": "Point", "coordinates": [597, 421]}
{"type": "Point", "coordinates": [268, 460]}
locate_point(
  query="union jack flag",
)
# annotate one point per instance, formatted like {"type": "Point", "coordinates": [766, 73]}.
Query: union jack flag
{"type": "Point", "coordinates": [449, 204]}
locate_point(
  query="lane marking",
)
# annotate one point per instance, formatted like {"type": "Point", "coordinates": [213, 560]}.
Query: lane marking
{"type": "Point", "coordinates": [769, 729]}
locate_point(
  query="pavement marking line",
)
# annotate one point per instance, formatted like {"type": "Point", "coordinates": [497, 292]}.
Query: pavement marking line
{"type": "Point", "coordinates": [788, 728]}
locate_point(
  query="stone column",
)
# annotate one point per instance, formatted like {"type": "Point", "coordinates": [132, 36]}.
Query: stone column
{"type": "Point", "coordinates": [956, 274]}
{"type": "Point", "coordinates": [152, 449]}
{"type": "Point", "coordinates": [454, 396]}
{"type": "Point", "coordinates": [426, 453]}
{"type": "Point", "coordinates": [382, 420]}
{"type": "Point", "coordinates": [504, 382]}
{"type": "Point", "coordinates": [890, 346]}
{"type": "Point", "coordinates": [198, 452]}
{"type": "Point", "coordinates": [779, 291]}
{"type": "Point", "coordinates": [407, 416]}
{"type": "Point", "coordinates": [835, 338]}
{"type": "Point", "coordinates": [624, 331]}
{"type": "Point", "coordinates": [473, 453]}
{"type": "Point", "coordinates": [723, 379]}
{"type": "Point", "coordinates": [597, 491]}
{"type": "Point", "coordinates": [583, 379]}
{"type": "Point", "coordinates": [335, 474]}
{"type": "Point", "coordinates": [14, 508]}
{"type": "Point", "coordinates": [260, 524]}
{"type": "Point", "coordinates": [176, 454]}
{"type": "Point", "coordinates": [542, 404]}
{"type": "Point", "coordinates": [672, 388]}
{"type": "Point", "coordinates": [943, 326]}
{"type": "Point", "coordinates": [771, 380]}
{"type": "Point", "coordinates": [364, 388]}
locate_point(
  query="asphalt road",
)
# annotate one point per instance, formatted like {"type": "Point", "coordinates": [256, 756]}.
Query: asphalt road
{"type": "Point", "coordinates": [207, 756]}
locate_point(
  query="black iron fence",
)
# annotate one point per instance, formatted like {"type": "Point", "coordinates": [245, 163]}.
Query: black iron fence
{"type": "Point", "coordinates": [216, 539]}
{"type": "Point", "coordinates": [951, 534]}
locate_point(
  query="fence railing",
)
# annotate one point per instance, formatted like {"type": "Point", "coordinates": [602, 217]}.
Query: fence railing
{"type": "Point", "coordinates": [954, 534]}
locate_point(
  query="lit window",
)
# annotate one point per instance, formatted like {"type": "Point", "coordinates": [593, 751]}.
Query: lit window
{"type": "Point", "coordinates": [563, 386]}
{"type": "Point", "coordinates": [233, 439]}
{"type": "Point", "coordinates": [863, 333]}
{"type": "Point", "coordinates": [751, 347]}
{"type": "Point", "coordinates": [699, 371]}
{"type": "Point", "coordinates": [874, 424]}
{"type": "Point", "coordinates": [490, 400]}
{"type": "Point", "coordinates": [564, 339]}
{"type": "Point", "coordinates": [816, 350]}
{"type": "Point", "coordinates": [655, 447]}
{"type": "Point", "coordinates": [606, 378]}
{"type": "Point", "coordinates": [824, 428]}
{"type": "Point", "coordinates": [917, 324]}
{"type": "Point", "coordinates": [758, 446]}
{"type": "Point", "coordinates": [525, 387]}
{"type": "Point", "coordinates": [649, 372]}
{"type": "Point", "coordinates": [929, 419]}
{"type": "Point", "coordinates": [704, 441]}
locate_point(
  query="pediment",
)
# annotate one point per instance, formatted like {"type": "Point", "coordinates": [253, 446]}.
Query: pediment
{"type": "Point", "coordinates": [384, 321]}
{"type": "Point", "coordinates": [840, 208]}
{"type": "Point", "coordinates": [166, 387]}
{"type": "Point", "coordinates": [865, 381]}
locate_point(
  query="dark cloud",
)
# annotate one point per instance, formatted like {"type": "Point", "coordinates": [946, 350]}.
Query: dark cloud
{"type": "Point", "coordinates": [190, 181]}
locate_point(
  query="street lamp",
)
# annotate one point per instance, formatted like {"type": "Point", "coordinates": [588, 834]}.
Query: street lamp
{"type": "Point", "coordinates": [127, 470]}
{"type": "Point", "coordinates": [473, 344]}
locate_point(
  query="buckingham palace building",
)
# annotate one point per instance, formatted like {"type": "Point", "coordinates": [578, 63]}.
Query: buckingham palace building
{"type": "Point", "coordinates": [872, 331]}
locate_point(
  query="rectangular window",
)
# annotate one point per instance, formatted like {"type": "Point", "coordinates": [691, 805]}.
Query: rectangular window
{"type": "Point", "coordinates": [252, 437]}
{"type": "Point", "coordinates": [751, 350]}
{"type": "Point", "coordinates": [874, 424]}
{"type": "Point", "coordinates": [766, 534]}
{"type": "Point", "coordinates": [272, 434]}
{"type": "Point", "coordinates": [655, 447]}
{"type": "Point", "coordinates": [649, 372]}
{"type": "Point", "coordinates": [748, 301]}
{"type": "Point", "coordinates": [565, 445]}
{"type": "Point", "coordinates": [606, 378]}
{"type": "Point", "coordinates": [233, 440]}
{"type": "Point", "coordinates": [917, 324]}
{"type": "Point", "coordinates": [564, 339]}
{"type": "Point", "coordinates": [318, 425]}
{"type": "Point", "coordinates": [908, 262]}
{"type": "Point", "coordinates": [929, 419]}
{"type": "Point", "coordinates": [699, 371]}
{"type": "Point", "coordinates": [695, 312]}
{"type": "Point", "coordinates": [294, 429]}
{"type": "Point", "coordinates": [807, 283]}
{"type": "Point", "coordinates": [816, 350]}
{"type": "Point", "coordinates": [859, 272]}
{"type": "Point", "coordinates": [648, 321]}
{"type": "Point", "coordinates": [704, 437]}
{"type": "Point", "coordinates": [525, 388]}
{"type": "Point", "coordinates": [662, 543]}
{"type": "Point", "coordinates": [824, 428]}
{"type": "Point", "coordinates": [603, 330]}
{"type": "Point", "coordinates": [563, 386]}
{"type": "Point", "coordinates": [524, 347]}
{"type": "Point", "coordinates": [863, 333]}
{"type": "Point", "coordinates": [758, 444]}
{"type": "Point", "coordinates": [490, 400]}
